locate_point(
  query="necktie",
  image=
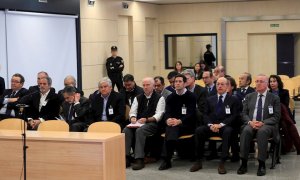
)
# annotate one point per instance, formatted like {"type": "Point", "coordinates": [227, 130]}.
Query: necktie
{"type": "Point", "coordinates": [219, 105]}
{"type": "Point", "coordinates": [209, 89]}
{"type": "Point", "coordinates": [243, 90]}
{"type": "Point", "coordinates": [71, 111]}
{"type": "Point", "coordinates": [259, 108]}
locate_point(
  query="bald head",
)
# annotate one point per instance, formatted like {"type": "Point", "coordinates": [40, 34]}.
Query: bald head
{"type": "Point", "coordinates": [222, 84]}
{"type": "Point", "coordinates": [148, 85]}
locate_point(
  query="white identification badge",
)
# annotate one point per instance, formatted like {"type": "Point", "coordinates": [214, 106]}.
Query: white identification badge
{"type": "Point", "coordinates": [227, 110]}
{"type": "Point", "coordinates": [183, 110]}
{"type": "Point", "coordinates": [271, 110]}
{"type": "Point", "coordinates": [110, 111]}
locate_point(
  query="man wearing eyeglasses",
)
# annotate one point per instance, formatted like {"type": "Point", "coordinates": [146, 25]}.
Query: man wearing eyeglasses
{"type": "Point", "coordinates": [10, 97]}
{"type": "Point", "coordinates": [261, 115]}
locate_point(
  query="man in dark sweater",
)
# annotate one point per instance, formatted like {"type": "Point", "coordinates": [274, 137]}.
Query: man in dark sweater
{"type": "Point", "coordinates": [146, 110]}
{"type": "Point", "coordinates": [180, 118]}
{"type": "Point", "coordinates": [130, 90]}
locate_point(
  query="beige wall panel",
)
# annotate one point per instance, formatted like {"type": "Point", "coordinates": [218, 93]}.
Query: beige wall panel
{"type": "Point", "coordinates": [139, 51]}
{"type": "Point", "coordinates": [123, 25]}
{"type": "Point", "coordinates": [139, 31]}
{"type": "Point", "coordinates": [101, 10]}
{"type": "Point", "coordinates": [123, 51]}
{"type": "Point", "coordinates": [91, 75]}
{"type": "Point", "coordinates": [237, 49]}
{"type": "Point", "coordinates": [236, 67]}
{"type": "Point", "coordinates": [262, 54]}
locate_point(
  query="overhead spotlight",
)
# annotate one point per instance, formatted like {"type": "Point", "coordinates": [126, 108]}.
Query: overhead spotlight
{"type": "Point", "coordinates": [91, 2]}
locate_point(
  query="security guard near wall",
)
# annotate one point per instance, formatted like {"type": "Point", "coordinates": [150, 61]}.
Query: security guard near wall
{"type": "Point", "coordinates": [114, 67]}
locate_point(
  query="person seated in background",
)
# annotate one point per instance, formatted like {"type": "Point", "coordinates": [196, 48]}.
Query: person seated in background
{"type": "Point", "coordinates": [245, 80]}
{"type": "Point", "coordinates": [222, 71]}
{"type": "Point", "coordinates": [208, 80]}
{"type": "Point", "coordinates": [2, 85]}
{"type": "Point", "coordinates": [171, 77]}
{"type": "Point", "coordinates": [147, 110]}
{"type": "Point", "coordinates": [159, 87]}
{"type": "Point", "coordinates": [10, 97]}
{"type": "Point", "coordinates": [198, 71]}
{"type": "Point", "coordinates": [221, 111]}
{"type": "Point", "coordinates": [289, 130]}
{"type": "Point", "coordinates": [69, 81]}
{"type": "Point", "coordinates": [75, 109]}
{"type": "Point", "coordinates": [36, 88]}
{"type": "Point", "coordinates": [200, 93]}
{"type": "Point", "coordinates": [261, 116]}
{"type": "Point", "coordinates": [237, 123]}
{"type": "Point", "coordinates": [180, 118]}
{"type": "Point", "coordinates": [108, 105]}
{"type": "Point", "coordinates": [130, 90]}
{"type": "Point", "coordinates": [178, 67]}
{"type": "Point", "coordinates": [43, 104]}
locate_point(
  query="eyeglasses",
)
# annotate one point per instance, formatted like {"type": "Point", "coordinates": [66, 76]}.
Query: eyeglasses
{"type": "Point", "coordinates": [260, 81]}
{"type": "Point", "coordinates": [15, 82]}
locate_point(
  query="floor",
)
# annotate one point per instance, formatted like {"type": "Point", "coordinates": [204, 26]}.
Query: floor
{"type": "Point", "coordinates": [289, 169]}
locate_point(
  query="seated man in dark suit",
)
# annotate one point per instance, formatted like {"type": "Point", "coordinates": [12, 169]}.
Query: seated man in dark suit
{"type": "Point", "coordinates": [160, 87]}
{"type": "Point", "coordinates": [171, 78]}
{"type": "Point", "coordinates": [245, 80]}
{"type": "Point", "coordinates": [180, 118]}
{"type": "Point", "coordinates": [208, 79]}
{"type": "Point", "coordinates": [130, 90]}
{"type": "Point", "coordinates": [221, 111]}
{"type": "Point", "coordinates": [69, 81]}
{"type": "Point", "coordinates": [261, 115]}
{"type": "Point", "coordinates": [43, 105]}
{"type": "Point", "coordinates": [108, 105]}
{"type": "Point", "coordinates": [147, 110]}
{"type": "Point", "coordinates": [199, 91]}
{"type": "Point", "coordinates": [75, 109]}
{"type": "Point", "coordinates": [10, 97]}
{"type": "Point", "coordinates": [2, 85]}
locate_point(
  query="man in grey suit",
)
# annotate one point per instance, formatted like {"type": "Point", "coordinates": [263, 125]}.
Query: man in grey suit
{"type": "Point", "coordinates": [159, 86]}
{"type": "Point", "coordinates": [261, 115]}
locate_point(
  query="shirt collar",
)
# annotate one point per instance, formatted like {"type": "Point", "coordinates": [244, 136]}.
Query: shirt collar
{"type": "Point", "coordinates": [184, 91]}
{"type": "Point", "coordinates": [264, 93]}
{"type": "Point", "coordinates": [46, 94]}
{"type": "Point", "coordinates": [105, 97]}
{"type": "Point", "coordinates": [193, 88]}
{"type": "Point", "coordinates": [223, 95]}
{"type": "Point", "coordinates": [148, 97]}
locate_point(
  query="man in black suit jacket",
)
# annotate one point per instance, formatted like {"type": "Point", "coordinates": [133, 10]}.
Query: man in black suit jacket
{"type": "Point", "coordinates": [69, 81]}
{"type": "Point", "coordinates": [221, 111]}
{"type": "Point", "coordinates": [75, 109]}
{"type": "Point", "coordinates": [110, 101]}
{"type": "Point", "coordinates": [199, 91]}
{"type": "Point", "coordinates": [10, 97]}
{"type": "Point", "coordinates": [245, 80]}
{"type": "Point", "coordinates": [208, 79]}
{"type": "Point", "coordinates": [2, 85]}
{"type": "Point", "coordinates": [261, 115]}
{"type": "Point", "coordinates": [130, 89]}
{"type": "Point", "coordinates": [43, 105]}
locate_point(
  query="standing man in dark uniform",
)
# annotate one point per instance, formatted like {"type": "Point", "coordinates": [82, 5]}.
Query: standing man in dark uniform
{"type": "Point", "coordinates": [209, 57]}
{"type": "Point", "coordinates": [114, 67]}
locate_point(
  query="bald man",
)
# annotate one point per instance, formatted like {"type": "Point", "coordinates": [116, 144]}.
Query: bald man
{"type": "Point", "coordinates": [261, 115]}
{"type": "Point", "coordinates": [146, 111]}
{"type": "Point", "coordinates": [220, 113]}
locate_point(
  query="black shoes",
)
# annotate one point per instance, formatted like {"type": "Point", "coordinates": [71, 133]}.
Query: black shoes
{"type": "Point", "coordinates": [139, 164]}
{"type": "Point", "coordinates": [166, 164]}
{"type": "Point", "coordinates": [196, 167]}
{"type": "Point", "coordinates": [128, 161]}
{"type": "Point", "coordinates": [242, 170]}
{"type": "Point", "coordinates": [221, 168]}
{"type": "Point", "coordinates": [261, 171]}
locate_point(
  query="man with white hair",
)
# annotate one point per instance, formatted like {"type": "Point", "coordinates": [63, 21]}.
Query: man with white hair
{"type": "Point", "coordinates": [108, 105]}
{"type": "Point", "coordinates": [147, 110]}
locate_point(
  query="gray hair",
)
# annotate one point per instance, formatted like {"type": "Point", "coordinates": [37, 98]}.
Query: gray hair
{"type": "Point", "coordinates": [105, 80]}
{"type": "Point", "coordinates": [49, 80]}
{"type": "Point", "coordinates": [189, 72]}
{"type": "Point", "coordinates": [150, 79]}
{"type": "Point", "coordinates": [72, 78]}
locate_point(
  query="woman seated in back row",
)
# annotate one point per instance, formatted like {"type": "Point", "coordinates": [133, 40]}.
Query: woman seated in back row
{"type": "Point", "coordinates": [289, 130]}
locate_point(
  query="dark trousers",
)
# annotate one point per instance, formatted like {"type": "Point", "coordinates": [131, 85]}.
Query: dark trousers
{"type": "Point", "coordinates": [77, 126]}
{"type": "Point", "coordinates": [116, 79]}
{"type": "Point", "coordinates": [203, 133]}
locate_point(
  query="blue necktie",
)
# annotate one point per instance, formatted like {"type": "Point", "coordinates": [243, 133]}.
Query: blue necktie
{"type": "Point", "coordinates": [219, 105]}
{"type": "Point", "coordinates": [259, 108]}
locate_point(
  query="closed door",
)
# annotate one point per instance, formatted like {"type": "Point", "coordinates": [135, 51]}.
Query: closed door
{"type": "Point", "coordinates": [285, 54]}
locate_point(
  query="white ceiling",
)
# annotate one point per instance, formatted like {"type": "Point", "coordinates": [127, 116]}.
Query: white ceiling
{"type": "Point", "coordinates": [190, 1]}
